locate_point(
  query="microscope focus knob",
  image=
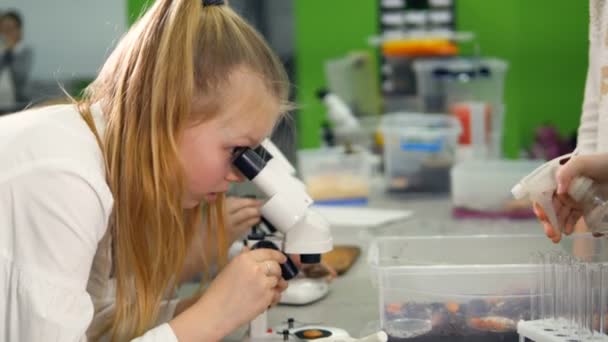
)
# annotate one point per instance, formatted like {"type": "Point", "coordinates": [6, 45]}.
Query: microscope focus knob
{"type": "Point", "coordinates": [289, 269]}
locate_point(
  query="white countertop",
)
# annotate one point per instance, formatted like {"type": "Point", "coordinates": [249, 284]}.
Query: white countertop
{"type": "Point", "coordinates": [352, 303]}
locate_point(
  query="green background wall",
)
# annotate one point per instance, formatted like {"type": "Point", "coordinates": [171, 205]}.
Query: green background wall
{"type": "Point", "coordinates": [326, 29]}
{"type": "Point", "coordinates": [134, 8]}
{"type": "Point", "coordinates": [545, 43]}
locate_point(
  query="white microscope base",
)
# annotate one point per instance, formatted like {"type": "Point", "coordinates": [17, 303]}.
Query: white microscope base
{"type": "Point", "coordinates": [337, 335]}
{"type": "Point", "coordinates": [546, 331]}
{"type": "Point", "coordinates": [302, 291]}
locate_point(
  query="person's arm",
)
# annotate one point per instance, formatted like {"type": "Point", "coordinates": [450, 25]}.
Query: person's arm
{"type": "Point", "coordinates": [241, 291]}
{"type": "Point", "coordinates": [241, 215]}
{"type": "Point", "coordinates": [588, 127]}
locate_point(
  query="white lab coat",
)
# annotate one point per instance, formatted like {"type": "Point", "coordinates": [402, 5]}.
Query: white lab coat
{"type": "Point", "coordinates": [593, 129]}
{"type": "Point", "coordinates": [54, 249]}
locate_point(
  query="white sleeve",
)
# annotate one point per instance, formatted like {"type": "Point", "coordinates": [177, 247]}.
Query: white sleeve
{"type": "Point", "coordinates": [588, 130]}
{"type": "Point", "coordinates": [52, 218]}
{"type": "Point", "coordinates": [162, 333]}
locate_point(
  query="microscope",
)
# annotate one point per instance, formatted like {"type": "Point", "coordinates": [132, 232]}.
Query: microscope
{"type": "Point", "coordinates": [294, 228]}
{"type": "Point", "coordinates": [286, 208]}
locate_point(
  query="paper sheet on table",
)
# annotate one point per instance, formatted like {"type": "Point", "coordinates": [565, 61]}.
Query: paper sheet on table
{"type": "Point", "coordinates": [360, 217]}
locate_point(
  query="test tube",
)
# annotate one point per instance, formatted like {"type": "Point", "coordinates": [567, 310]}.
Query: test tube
{"type": "Point", "coordinates": [567, 294]}
{"type": "Point", "coordinates": [559, 286]}
{"type": "Point", "coordinates": [604, 298]}
{"type": "Point", "coordinates": [581, 287]}
{"type": "Point", "coordinates": [536, 302]}
{"type": "Point", "coordinates": [562, 288]}
{"type": "Point", "coordinates": [548, 309]}
{"type": "Point", "coordinates": [595, 298]}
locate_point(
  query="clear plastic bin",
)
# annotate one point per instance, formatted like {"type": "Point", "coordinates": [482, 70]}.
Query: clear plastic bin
{"type": "Point", "coordinates": [441, 82]}
{"type": "Point", "coordinates": [458, 288]}
{"type": "Point", "coordinates": [419, 150]}
{"type": "Point", "coordinates": [333, 176]}
{"type": "Point", "coordinates": [482, 188]}
{"type": "Point", "coordinates": [428, 86]}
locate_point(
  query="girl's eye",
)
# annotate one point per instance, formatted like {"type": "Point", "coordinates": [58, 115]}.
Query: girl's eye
{"type": "Point", "coordinates": [235, 149]}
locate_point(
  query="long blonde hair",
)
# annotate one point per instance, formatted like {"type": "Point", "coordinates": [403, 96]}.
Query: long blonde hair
{"type": "Point", "coordinates": [177, 51]}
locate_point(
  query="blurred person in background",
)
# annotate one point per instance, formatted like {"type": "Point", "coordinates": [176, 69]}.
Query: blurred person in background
{"type": "Point", "coordinates": [15, 62]}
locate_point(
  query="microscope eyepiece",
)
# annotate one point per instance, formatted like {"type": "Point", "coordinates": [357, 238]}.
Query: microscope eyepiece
{"type": "Point", "coordinates": [248, 162]}
{"type": "Point", "coordinates": [262, 152]}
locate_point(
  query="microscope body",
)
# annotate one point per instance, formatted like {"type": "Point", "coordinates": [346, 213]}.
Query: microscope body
{"type": "Point", "coordinates": [287, 205]}
{"type": "Point", "coordinates": [297, 229]}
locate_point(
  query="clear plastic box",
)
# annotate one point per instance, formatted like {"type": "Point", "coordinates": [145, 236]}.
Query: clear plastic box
{"type": "Point", "coordinates": [482, 188]}
{"type": "Point", "coordinates": [333, 176]}
{"type": "Point", "coordinates": [458, 288]}
{"type": "Point", "coordinates": [444, 83]}
{"type": "Point", "coordinates": [419, 150]}
{"type": "Point", "coordinates": [441, 82]}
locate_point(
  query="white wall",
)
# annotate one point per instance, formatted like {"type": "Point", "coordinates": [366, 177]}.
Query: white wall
{"type": "Point", "coordinates": [70, 38]}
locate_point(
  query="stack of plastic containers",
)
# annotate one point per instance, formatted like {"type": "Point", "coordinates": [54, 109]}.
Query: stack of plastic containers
{"type": "Point", "coordinates": [471, 89]}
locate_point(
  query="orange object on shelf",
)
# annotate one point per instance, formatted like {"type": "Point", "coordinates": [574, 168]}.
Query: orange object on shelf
{"type": "Point", "coordinates": [419, 47]}
{"type": "Point", "coordinates": [462, 111]}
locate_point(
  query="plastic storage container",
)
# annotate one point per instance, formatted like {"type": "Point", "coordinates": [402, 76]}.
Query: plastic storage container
{"type": "Point", "coordinates": [483, 188]}
{"type": "Point", "coordinates": [333, 176]}
{"type": "Point", "coordinates": [429, 87]}
{"type": "Point", "coordinates": [474, 80]}
{"type": "Point", "coordinates": [419, 151]}
{"type": "Point", "coordinates": [441, 82]}
{"type": "Point", "coordinates": [458, 288]}
{"type": "Point", "coordinates": [445, 85]}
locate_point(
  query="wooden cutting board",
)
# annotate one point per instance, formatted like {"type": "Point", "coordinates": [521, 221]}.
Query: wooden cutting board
{"type": "Point", "coordinates": [341, 258]}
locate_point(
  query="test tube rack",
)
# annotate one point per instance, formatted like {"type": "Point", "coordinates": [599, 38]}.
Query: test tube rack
{"type": "Point", "coordinates": [555, 331]}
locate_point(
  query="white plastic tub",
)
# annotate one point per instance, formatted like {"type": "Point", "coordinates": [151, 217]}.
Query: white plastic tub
{"type": "Point", "coordinates": [333, 176]}
{"type": "Point", "coordinates": [484, 187]}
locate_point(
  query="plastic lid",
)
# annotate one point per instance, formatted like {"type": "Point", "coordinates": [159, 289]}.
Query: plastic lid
{"type": "Point", "coordinates": [579, 187]}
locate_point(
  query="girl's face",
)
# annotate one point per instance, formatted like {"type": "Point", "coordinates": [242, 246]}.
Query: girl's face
{"type": "Point", "coordinates": [246, 116]}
